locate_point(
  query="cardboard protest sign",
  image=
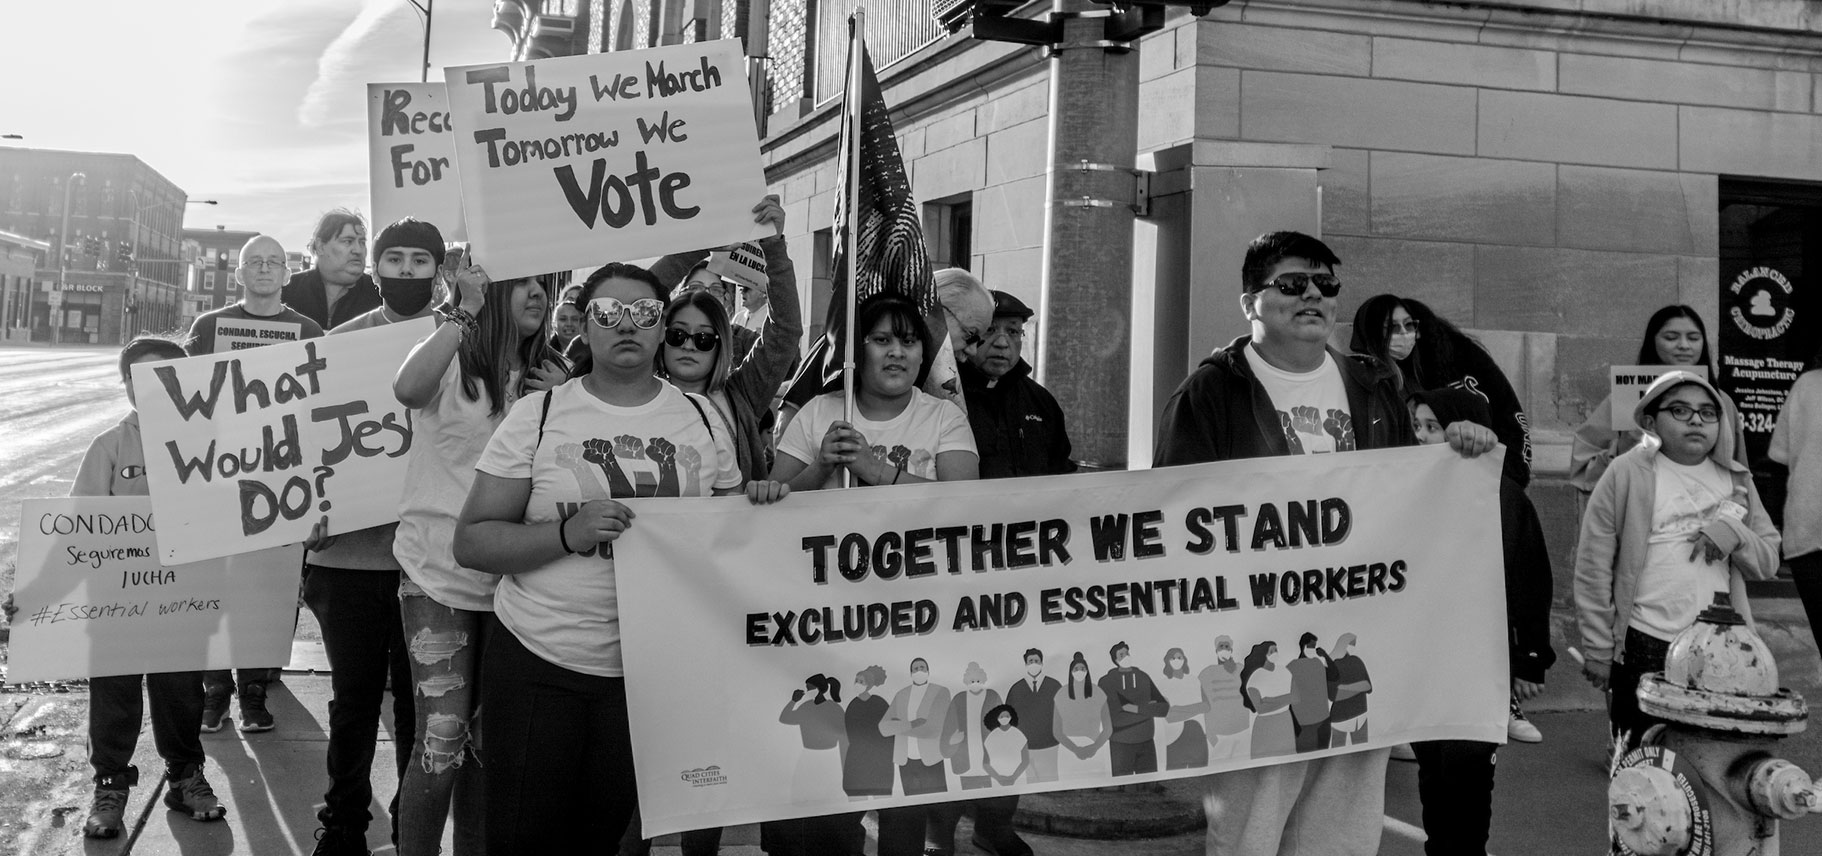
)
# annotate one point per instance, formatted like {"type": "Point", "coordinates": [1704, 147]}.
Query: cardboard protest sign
{"type": "Point", "coordinates": [1629, 385]}
{"type": "Point", "coordinates": [577, 161]}
{"type": "Point", "coordinates": [744, 263]}
{"type": "Point", "coordinates": [769, 652]}
{"type": "Point", "coordinates": [249, 449]}
{"type": "Point", "coordinates": [411, 157]}
{"type": "Point", "coordinates": [239, 334]}
{"type": "Point", "coordinates": [94, 600]}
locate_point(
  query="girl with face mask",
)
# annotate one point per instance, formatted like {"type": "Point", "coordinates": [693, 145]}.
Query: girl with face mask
{"type": "Point", "coordinates": [1081, 723]}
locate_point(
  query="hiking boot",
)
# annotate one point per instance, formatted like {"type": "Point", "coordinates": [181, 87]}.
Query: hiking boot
{"type": "Point", "coordinates": [253, 714]}
{"type": "Point", "coordinates": [214, 710]}
{"type": "Point", "coordinates": [1520, 729]}
{"type": "Point", "coordinates": [107, 813]}
{"type": "Point", "coordinates": [340, 841]}
{"type": "Point", "coordinates": [187, 791]}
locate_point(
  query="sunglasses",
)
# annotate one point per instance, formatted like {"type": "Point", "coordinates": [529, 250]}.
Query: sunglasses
{"type": "Point", "coordinates": [1295, 284]}
{"type": "Point", "coordinates": [606, 312]}
{"type": "Point", "coordinates": [1393, 328]}
{"type": "Point", "coordinates": [703, 341]}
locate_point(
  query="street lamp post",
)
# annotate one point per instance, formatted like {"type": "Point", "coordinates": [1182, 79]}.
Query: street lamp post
{"type": "Point", "coordinates": [63, 261]}
{"type": "Point", "coordinates": [133, 249]}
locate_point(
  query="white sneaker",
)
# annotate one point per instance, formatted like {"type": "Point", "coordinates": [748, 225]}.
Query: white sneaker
{"type": "Point", "coordinates": [1402, 752]}
{"type": "Point", "coordinates": [1520, 729]}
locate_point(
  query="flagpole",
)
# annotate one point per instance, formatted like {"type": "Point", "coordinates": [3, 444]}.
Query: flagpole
{"type": "Point", "coordinates": [856, 113]}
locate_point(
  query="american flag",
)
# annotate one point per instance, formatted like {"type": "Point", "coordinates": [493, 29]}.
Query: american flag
{"type": "Point", "coordinates": [890, 243]}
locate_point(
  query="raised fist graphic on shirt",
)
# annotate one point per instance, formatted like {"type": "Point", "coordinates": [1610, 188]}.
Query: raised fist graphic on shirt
{"type": "Point", "coordinates": [1290, 433]}
{"type": "Point", "coordinates": [569, 457]}
{"type": "Point", "coordinates": [600, 453]}
{"type": "Point", "coordinates": [1306, 419]}
{"type": "Point", "coordinates": [664, 453]}
{"type": "Point", "coordinates": [690, 462]}
{"type": "Point", "coordinates": [1340, 425]}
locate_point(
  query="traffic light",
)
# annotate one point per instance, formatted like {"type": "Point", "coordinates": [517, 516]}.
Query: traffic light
{"type": "Point", "coordinates": [91, 246]}
{"type": "Point", "coordinates": [123, 255]}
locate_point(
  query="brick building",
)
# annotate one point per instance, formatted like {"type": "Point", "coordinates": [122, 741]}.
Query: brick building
{"type": "Point", "coordinates": [20, 260]}
{"type": "Point", "coordinates": [123, 277]}
{"type": "Point", "coordinates": [1546, 174]}
{"type": "Point", "coordinates": [217, 254]}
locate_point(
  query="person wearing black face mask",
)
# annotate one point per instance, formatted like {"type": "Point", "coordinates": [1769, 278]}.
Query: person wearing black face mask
{"type": "Point", "coordinates": [352, 583]}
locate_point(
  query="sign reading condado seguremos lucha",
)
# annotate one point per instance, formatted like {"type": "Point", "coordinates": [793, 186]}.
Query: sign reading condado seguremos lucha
{"type": "Point", "coordinates": [851, 650]}
{"type": "Point", "coordinates": [1763, 344]}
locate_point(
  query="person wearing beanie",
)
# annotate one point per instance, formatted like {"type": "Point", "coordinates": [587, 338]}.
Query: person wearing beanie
{"type": "Point", "coordinates": [1672, 523]}
{"type": "Point", "coordinates": [1455, 777]}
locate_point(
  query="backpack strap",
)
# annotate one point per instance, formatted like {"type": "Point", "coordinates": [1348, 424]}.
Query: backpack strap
{"type": "Point", "coordinates": [702, 413]}
{"type": "Point", "coordinates": [543, 414]}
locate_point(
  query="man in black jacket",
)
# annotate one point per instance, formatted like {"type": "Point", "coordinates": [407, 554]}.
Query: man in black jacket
{"type": "Point", "coordinates": [1018, 426]}
{"type": "Point", "coordinates": [338, 288]}
{"type": "Point", "coordinates": [1283, 390]}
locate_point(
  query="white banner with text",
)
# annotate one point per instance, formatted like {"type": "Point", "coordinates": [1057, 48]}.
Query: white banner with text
{"type": "Point", "coordinates": [250, 449]}
{"type": "Point", "coordinates": [93, 599]}
{"type": "Point", "coordinates": [853, 650]}
{"type": "Point", "coordinates": [578, 161]}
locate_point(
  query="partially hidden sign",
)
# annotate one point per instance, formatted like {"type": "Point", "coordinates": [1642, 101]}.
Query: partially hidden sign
{"type": "Point", "coordinates": [94, 600]}
{"type": "Point", "coordinates": [578, 161]}
{"type": "Point", "coordinates": [411, 157]}
{"type": "Point", "coordinates": [1628, 388]}
{"type": "Point", "coordinates": [249, 449]}
{"type": "Point", "coordinates": [851, 650]}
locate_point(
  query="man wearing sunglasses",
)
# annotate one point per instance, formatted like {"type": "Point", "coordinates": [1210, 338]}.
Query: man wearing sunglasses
{"type": "Point", "coordinates": [1283, 390]}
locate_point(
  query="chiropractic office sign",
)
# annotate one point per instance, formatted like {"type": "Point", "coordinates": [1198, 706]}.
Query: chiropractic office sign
{"type": "Point", "coordinates": [577, 161]}
{"type": "Point", "coordinates": [249, 449]}
{"type": "Point", "coordinates": [851, 650]}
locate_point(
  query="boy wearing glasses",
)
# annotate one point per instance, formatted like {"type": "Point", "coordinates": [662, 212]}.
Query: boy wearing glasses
{"type": "Point", "coordinates": [1671, 524]}
{"type": "Point", "coordinates": [1281, 390]}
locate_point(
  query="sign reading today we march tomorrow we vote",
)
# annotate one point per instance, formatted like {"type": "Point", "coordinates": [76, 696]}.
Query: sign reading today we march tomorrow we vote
{"type": "Point", "coordinates": [577, 161]}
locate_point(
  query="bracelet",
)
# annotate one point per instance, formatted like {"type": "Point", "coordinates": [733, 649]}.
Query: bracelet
{"type": "Point", "coordinates": [459, 316]}
{"type": "Point", "coordinates": [562, 537]}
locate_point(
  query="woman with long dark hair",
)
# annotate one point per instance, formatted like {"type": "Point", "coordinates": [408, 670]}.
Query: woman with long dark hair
{"type": "Point", "coordinates": [1265, 689]}
{"type": "Point", "coordinates": [1081, 723]}
{"type": "Point", "coordinates": [490, 350]}
{"type": "Point", "coordinates": [698, 355]}
{"type": "Point", "coordinates": [1675, 336]}
{"type": "Point", "coordinates": [544, 510]}
{"type": "Point", "coordinates": [1432, 353]}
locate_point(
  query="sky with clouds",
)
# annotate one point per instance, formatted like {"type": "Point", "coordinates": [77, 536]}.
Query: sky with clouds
{"type": "Point", "coordinates": [260, 104]}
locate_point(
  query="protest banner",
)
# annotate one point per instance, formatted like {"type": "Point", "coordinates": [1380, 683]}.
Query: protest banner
{"type": "Point", "coordinates": [411, 157]}
{"type": "Point", "coordinates": [94, 600]}
{"type": "Point", "coordinates": [577, 161]}
{"type": "Point", "coordinates": [249, 449]}
{"type": "Point", "coordinates": [1628, 387]}
{"type": "Point", "coordinates": [1365, 589]}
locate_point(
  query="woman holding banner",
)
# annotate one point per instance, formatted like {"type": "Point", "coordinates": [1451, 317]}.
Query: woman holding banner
{"type": "Point", "coordinates": [899, 435]}
{"type": "Point", "coordinates": [542, 516]}
{"type": "Point", "coordinates": [460, 382]}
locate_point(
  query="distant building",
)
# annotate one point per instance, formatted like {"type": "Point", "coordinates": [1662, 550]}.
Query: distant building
{"type": "Point", "coordinates": [122, 248]}
{"type": "Point", "coordinates": [20, 259]}
{"type": "Point", "coordinates": [217, 255]}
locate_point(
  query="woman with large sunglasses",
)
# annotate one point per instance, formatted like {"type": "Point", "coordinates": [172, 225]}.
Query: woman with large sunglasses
{"type": "Point", "coordinates": [546, 506]}
{"type": "Point", "coordinates": [697, 355]}
{"type": "Point", "coordinates": [490, 350]}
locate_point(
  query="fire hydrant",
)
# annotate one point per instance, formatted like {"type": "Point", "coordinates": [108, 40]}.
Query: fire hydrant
{"type": "Point", "coordinates": [1707, 783]}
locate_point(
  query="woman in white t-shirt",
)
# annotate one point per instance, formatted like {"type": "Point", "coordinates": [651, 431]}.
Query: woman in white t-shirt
{"type": "Point", "coordinates": [899, 435]}
{"type": "Point", "coordinates": [543, 515]}
{"type": "Point", "coordinates": [460, 382]}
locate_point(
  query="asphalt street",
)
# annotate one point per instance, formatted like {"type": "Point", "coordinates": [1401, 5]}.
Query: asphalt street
{"type": "Point", "coordinates": [1550, 798]}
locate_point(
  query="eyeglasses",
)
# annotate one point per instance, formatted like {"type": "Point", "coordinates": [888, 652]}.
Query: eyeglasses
{"type": "Point", "coordinates": [257, 264]}
{"type": "Point", "coordinates": [1684, 413]}
{"type": "Point", "coordinates": [703, 341]}
{"type": "Point", "coordinates": [1295, 284]}
{"type": "Point", "coordinates": [645, 313]}
{"type": "Point", "coordinates": [970, 338]}
{"type": "Point", "coordinates": [1013, 336]}
{"type": "Point", "coordinates": [1409, 327]}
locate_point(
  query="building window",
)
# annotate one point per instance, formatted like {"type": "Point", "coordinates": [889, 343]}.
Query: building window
{"type": "Point", "coordinates": [949, 231]}
{"type": "Point", "coordinates": [821, 280]}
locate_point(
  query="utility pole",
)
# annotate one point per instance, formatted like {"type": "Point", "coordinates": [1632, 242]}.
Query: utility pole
{"type": "Point", "coordinates": [63, 261]}
{"type": "Point", "coordinates": [427, 8]}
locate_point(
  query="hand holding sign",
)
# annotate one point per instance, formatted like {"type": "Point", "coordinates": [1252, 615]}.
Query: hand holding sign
{"type": "Point", "coordinates": [471, 284]}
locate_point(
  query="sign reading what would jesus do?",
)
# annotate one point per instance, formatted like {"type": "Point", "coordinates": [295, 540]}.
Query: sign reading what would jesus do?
{"type": "Point", "coordinates": [577, 161]}
{"type": "Point", "coordinates": [249, 449]}
{"type": "Point", "coordinates": [851, 650]}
